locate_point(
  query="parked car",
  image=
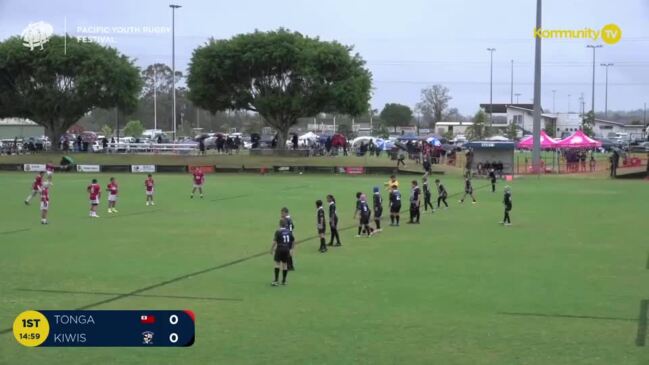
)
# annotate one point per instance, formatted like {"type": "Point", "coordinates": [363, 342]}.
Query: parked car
{"type": "Point", "coordinates": [640, 147]}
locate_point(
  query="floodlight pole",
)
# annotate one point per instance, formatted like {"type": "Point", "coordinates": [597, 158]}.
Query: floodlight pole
{"type": "Point", "coordinates": [491, 86]}
{"type": "Point", "coordinates": [592, 105]}
{"type": "Point", "coordinates": [173, 61]}
{"type": "Point", "coordinates": [536, 130]}
{"type": "Point", "coordinates": [606, 66]}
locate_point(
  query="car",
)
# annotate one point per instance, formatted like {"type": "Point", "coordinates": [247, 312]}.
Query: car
{"type": "Point", "coordinates": [640, 147]}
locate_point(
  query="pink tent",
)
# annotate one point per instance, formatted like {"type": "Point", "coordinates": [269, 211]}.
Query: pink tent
{"type": "Point", "coordinates": [578, 140]}
{"type": "Point", "coordinates": [546, 142]}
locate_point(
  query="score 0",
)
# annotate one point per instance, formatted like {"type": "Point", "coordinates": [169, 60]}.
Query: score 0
{"type": "Point", "coordinates": [173, 337]}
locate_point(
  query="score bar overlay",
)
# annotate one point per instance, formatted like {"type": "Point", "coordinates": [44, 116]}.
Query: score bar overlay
{"type": "Point", "coordinates": [105, 328]}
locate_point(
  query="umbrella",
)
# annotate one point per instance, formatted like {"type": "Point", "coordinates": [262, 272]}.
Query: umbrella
{"type": "Point", "coordinates": [434, 141]}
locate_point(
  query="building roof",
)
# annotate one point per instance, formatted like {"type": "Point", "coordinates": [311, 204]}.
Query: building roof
{"type": "Point", "coordinates": [453, 123]}
{"type": "Point", "coordinates": [502, 108]}
{"type": "Point", "coordinates": [610, 122]}
{"type": "Point", "coordinates": [531, 111]}
{"type": "Point", "coordinates": [17, 121]}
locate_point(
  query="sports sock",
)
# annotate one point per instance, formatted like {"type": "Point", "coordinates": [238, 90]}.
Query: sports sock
{"type": "Point", "coordinates": [359, 230]}
{"type": "Point", "coordinates": [323, 246]}
{"type": "Point", "coordinates": [276, 273]}
{"type": "Point", "coordinates": [378, 223]}
{"type": "Point", "coordinates": [284, 274]}
{"type": "Point", "coordinates": [397, 218]}
{"type": "Point", "coordinates": [392, 219]}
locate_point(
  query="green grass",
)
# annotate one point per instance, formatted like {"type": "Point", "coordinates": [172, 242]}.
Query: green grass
{"type": "Point", "coordinates": [437, 293]}
{"type": "Point", "coordinates": [236, 160]}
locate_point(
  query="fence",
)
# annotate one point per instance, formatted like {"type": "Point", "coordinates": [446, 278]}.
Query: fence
{"type": "Point", "coordinates": [182, 148]}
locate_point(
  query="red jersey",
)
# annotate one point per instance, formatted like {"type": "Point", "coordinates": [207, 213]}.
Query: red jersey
{"type": "Point", "coordinates": [148, 184]}
{"type": "Point", "coordinates": [112, 188]}
{"type": "Point", "coordinates": [38, 182]}
{"type": "Point", "coordinates": [94, 190]}
{"type": "Point", "coordinates": [45, 195]}
{"type": "Point", "coordinates": [49, 167]}
{"type": "Point", "coordinates": [199, 177]}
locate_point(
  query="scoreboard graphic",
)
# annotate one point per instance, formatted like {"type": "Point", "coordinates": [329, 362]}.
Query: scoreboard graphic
{"type": "Point", "coordinates": [105, 328]}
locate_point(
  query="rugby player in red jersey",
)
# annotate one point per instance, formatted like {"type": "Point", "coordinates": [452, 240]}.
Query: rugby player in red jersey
{"type": "Point", "coordinates": [36, 187]}
{"type": "Point", "coordinates": [148, 185]}
{"type": "Point", "coordinates": [112, 195]}
{"type": "Point", "coordinates": [49, 170]}
{"type": "Point", "coordinates": [94, 190]}
{"type": "Point", "coordinates": [199, 179]}
{"type": "Point", "coordinates": [45, 201]}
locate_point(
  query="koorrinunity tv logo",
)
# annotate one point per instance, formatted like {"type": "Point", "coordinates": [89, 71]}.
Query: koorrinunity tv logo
{"type": "Point", "coordinates": [609, 34]}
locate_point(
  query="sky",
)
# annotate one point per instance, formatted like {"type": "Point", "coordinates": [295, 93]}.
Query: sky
{"type": "Point", "coordinates": [408, 44]}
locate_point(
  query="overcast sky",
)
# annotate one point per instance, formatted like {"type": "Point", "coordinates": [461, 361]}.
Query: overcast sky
{"type": "Point", "coordinates": [408, 44]}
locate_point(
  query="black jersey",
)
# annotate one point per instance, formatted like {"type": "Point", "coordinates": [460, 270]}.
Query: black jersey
{"type": "Point", "coordinates": [289, 223]}
{"type": "Point", "coordinates": [414, 195]}
{"type": "Point", "coordinates": [441, 191]}
{"type": "Point", "coordinates": [378, 202]}
{"type": "Point", "coordinates": [492, 176]}
{"type": "Point", "coordinates": [333, 215]}
{"type": "Point", "coordinates": [284, 239]}
{"type": "Point", "coordinates": [395, 198]}
{"type": "Point", "coordinates": [426, 188]}
{"type": "Point", "coordinates": [321, 218]}
{"type": "Point", "coordinates": [507, 200]}
{"type": "Point", "coordinates": [364, 209]}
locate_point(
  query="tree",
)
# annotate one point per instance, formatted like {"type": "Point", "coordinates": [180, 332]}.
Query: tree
{"type": "Point", "coordinates": [511, 131]}
{"type": "Point", "coordinates": [395, 115]}
{"type": "Point", "coordinates": [106, 130]}
{"type": "Point", "coordinates": [55, 89]}
{"type": "Point", "coordinates": [433, 104]}
{"type": "Point", "coordinates": [134, 128]}
{"type": "Point", "coordinates": [587, 123]}
{"type": "Point", "coordinates": [282, 75]}
{"type": "Point", "coordinates": [478, 130]}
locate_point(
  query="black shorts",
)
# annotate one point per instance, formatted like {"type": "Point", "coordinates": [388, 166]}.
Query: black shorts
{"type": "Point", "coordinates": [322, 230]}
{"type": "Point", "coordinates": [395, 208]}
{"type": "Point", "coordinates": [378, 213]}
{"type": "Point", "coordinates": [365, 219]}
{"type": "Point", "coordinates": [282, 254]}
{"type": "Point", "coordinates": [333, 223]}
{"type": "Point", "coordinates": [470, 191]}
{"type": "Point", "coordinates": [427, 196]}
{"type": "Point", "coordinates": [508, 208]}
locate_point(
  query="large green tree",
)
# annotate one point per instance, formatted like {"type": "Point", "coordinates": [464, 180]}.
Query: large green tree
{"type": "Point", "coordinates": [479, 129]}
{"type": "Point", "coordinates": [396, 115]}
{"type": "Point", "coordinates": [57, 85]}
{"type": "Point", "coordinates": [281, 75]}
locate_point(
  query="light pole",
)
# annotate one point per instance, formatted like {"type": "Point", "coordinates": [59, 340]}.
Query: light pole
{"type": "Point", "coordinates": [592, 107]}
{"type": "Point", "coordinates": [155, 100]}
{"type": "Point", "coordinates": [517, 95]}
{"type": "Point", "coordinates": [511, 86]}
{"type": "Point", "coordinates": [491, 85]}
{"type": "Point", "coordinates": [554, 94]}
{"type": "Point", "coordinates": [569, 103]}
{"type": "Point", "coordinates": [536, 126]}
{"type": "Point", "coordinates": [606, 66]}
{"type": "Point", "coordinates": [173, 61]}
{"type": "Point", "coordinates": [644, 116]}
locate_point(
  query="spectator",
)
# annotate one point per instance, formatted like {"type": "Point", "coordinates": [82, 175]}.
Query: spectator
{"type": "Point", "coordinates": [295, 141]}
{"type": "Point", "coordinates": [104, 144]}
{"type": "Point", "coordinates": [201, 146]}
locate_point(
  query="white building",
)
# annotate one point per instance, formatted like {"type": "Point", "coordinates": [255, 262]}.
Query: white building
{"type": "Point", "coordinates": [455, 128]}
{"type": "Point", "coordinates": [609, 129]}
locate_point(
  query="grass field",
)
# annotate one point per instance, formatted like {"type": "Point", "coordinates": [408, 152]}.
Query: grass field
{"type": "Point", "coordinates": [563, 285]}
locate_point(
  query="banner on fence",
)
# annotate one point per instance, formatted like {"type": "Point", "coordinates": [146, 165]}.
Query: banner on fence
{"type": "Point", "coordinates": [143, 168]}
{"type": "Point", "coordinates": [208, 169]}
{"type": "Point", "coordinates": [33, 167]}
{"type": "Point", "coordinates": [88, 168]}
{"type": "Point", "coordinates": [355, 170]}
